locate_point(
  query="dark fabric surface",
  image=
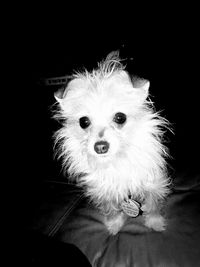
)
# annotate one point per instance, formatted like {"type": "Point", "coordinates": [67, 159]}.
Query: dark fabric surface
{"type": "Point", "coordinates": [40, 250]}
{"type": "Point", "coordinates": [53, 202]}
{"type": "Point", "coordinates": [47, 206]}
{"type": "Point", "coordinates": [134, 245]}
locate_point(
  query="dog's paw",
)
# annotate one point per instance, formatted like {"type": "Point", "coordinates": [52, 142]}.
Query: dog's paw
{"type": "Point", "coordinates": [114, 224]}
{"type": "Point", "coordinates": [155, 222]}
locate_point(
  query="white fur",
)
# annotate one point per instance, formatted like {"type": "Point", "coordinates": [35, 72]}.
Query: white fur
{"type": "Point", "coordinates": [135, 163]}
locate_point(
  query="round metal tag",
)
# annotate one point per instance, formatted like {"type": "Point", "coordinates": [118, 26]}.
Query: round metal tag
{"type": "Point", "coordinates": [131, 207]}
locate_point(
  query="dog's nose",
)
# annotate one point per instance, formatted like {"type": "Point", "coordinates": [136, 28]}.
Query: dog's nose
{"type": "Point", "coordinates": [101, 147]}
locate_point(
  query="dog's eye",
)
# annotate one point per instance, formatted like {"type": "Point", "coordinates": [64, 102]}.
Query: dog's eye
{"type": "Point", "coordinates": [84, 122]}
{"type": "Point", "coordinates": [119, 118]}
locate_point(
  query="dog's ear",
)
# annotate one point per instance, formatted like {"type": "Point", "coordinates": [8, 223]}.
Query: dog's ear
{"type": "Point", "coordinates": [142, 87]}
{"type": "Point", "coordinates": [60, 94]}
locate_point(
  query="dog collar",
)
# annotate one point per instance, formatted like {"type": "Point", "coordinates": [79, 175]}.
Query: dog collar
{"type": "Point", "coordinates": [131, 207]}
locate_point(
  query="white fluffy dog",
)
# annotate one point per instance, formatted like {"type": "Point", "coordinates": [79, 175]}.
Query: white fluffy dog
{"type": "Point", "coordinates": [110, 143]}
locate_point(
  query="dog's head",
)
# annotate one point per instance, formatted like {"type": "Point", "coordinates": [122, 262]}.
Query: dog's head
{"type": "Point", "coordinates": [106, 114]}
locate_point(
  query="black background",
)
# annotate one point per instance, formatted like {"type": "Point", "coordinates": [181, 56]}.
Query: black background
{"type": "Point", "coordinates": [162, 47]}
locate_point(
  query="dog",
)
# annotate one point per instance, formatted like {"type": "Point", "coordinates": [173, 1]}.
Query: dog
{"type": "Point", "coordinates": [112, 144]}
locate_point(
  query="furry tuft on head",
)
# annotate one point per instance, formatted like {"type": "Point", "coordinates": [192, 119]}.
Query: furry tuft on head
{"type": "Point", "coordinates": [112, 138]}
{"type": "Point", "coordinates": [111, 64]}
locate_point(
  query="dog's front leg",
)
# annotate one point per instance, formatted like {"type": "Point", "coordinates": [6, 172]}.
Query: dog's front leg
{"type": "Point", "coordinates": [152, 212]}
{"type": "Point", "coordinates": [115, 222]}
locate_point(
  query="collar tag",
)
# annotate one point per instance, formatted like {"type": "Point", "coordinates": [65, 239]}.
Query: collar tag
{"type": "Point", "coordinates": [131, 207]}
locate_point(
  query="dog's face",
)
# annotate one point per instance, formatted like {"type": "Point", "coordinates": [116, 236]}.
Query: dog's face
{"type": "Point", "coordinates": [102, 117]}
